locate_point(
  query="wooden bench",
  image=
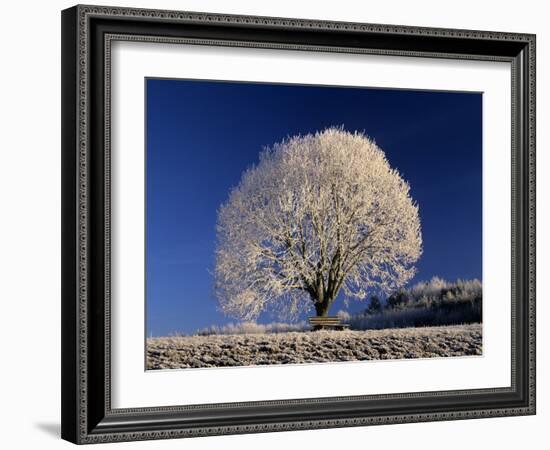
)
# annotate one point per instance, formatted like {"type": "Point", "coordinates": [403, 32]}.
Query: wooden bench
{"type": "Point", "coordinates": [327, 323]}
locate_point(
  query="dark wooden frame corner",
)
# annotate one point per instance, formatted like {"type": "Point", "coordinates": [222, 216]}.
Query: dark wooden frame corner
{"type": "Point", "coordinates": [87, 33]}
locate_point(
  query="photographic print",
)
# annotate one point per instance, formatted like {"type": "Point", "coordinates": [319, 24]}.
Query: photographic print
{"type": "Point", "coordinates": [286, 197]}
{"type": "Point", "coordinates": [295, 224]}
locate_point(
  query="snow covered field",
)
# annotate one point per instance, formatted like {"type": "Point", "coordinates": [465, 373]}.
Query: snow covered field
{"type": "Point", "coordinates": [319, 346]}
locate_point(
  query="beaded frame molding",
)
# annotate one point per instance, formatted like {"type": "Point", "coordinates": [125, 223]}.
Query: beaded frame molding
{"type": "Point", "coordinates": [87, 34]}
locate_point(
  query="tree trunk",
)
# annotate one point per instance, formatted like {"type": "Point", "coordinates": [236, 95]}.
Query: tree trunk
{"type": "Point", "coordinates": [321, 309]}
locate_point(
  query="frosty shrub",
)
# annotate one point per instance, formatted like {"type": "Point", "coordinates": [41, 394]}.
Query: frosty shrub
{"type": "Point", "coordinates": [253, 328]}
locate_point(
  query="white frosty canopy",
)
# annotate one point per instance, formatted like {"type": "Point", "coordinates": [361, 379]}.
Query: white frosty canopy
{"type": "Point", "coordinates": [318, 213]}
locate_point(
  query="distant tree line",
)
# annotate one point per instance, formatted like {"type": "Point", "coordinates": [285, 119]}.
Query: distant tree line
{"type": "Point", "coordinates": [436, 302]}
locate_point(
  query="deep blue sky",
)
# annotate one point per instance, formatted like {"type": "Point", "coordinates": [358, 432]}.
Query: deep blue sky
{"type": "Point", "coordinates": [201, 136]}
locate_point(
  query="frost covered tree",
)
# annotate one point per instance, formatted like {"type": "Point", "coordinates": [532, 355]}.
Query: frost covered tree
{"type": "Point", "coordinates": [318, 214]}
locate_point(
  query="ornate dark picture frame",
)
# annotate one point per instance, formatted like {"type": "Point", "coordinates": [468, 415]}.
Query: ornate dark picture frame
{"type": "Point", "coordinates": [87, 33]}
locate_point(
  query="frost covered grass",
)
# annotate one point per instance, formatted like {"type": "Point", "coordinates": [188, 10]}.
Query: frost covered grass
{"type": "Point", "coordinates": [179, 352]}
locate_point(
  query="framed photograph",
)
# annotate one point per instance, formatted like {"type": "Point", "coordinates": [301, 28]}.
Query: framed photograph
{"type": "Point", "coordinates": [281, 224]}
